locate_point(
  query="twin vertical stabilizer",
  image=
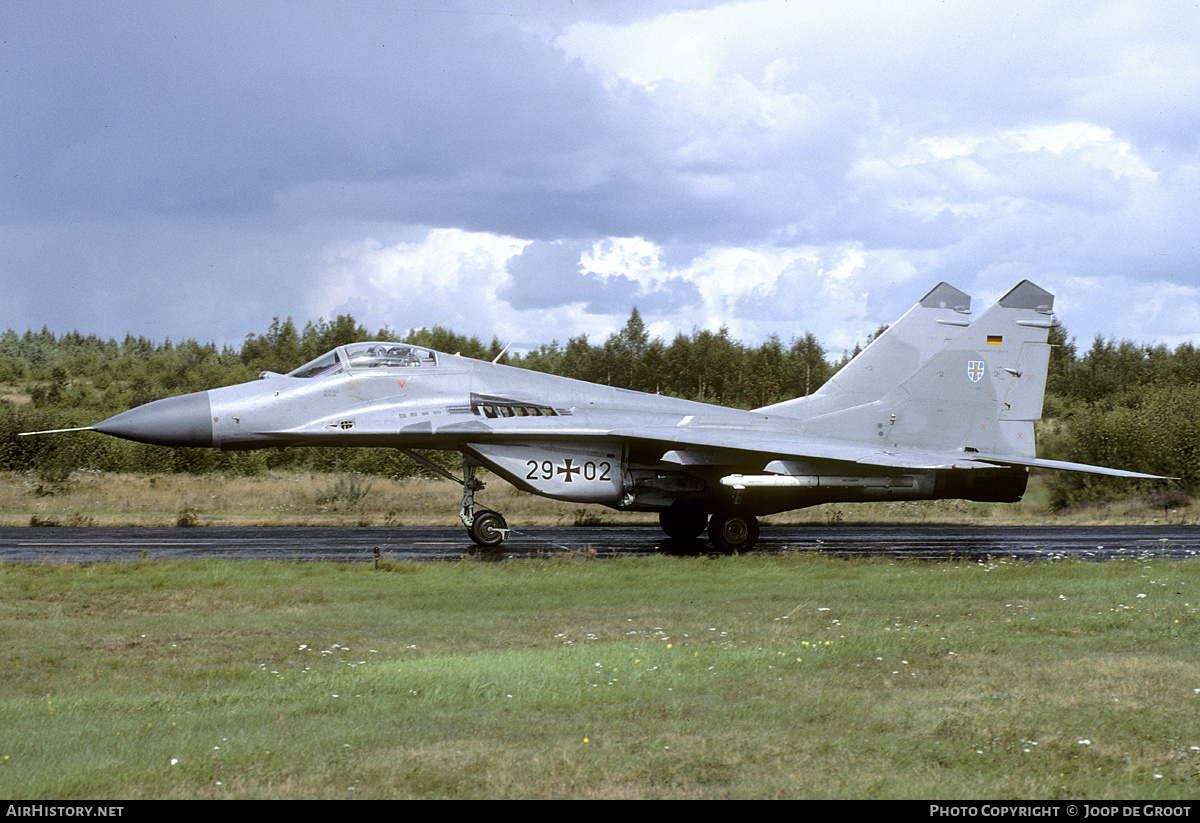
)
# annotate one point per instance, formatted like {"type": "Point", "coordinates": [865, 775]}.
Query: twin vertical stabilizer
{"type": "Point", "coordinates": [938, 381]}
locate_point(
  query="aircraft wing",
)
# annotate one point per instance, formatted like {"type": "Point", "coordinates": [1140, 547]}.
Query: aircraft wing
{"type": "Point", "coordinates": [782, 445]}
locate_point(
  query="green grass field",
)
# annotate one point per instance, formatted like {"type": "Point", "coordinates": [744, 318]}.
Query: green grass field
{"type": "Point", "coordinates": [797, 676]}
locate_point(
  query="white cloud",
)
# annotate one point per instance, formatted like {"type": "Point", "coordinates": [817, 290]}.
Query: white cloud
{"type": "Point", "coordinates": [631, 257]}
{"type": "Point", "coordinates": [448, 278]}
{"type": "Point", "coordinates": [754, 292]}
{"type": "Point", "coordinates": [452, 278]}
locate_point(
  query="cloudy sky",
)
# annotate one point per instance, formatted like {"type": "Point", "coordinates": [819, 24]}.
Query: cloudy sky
{"type": "Point", "coordinates": [533, 169]}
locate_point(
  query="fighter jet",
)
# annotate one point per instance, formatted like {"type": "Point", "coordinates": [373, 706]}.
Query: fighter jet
{"type": "Point", "coordinates": [938, 406]}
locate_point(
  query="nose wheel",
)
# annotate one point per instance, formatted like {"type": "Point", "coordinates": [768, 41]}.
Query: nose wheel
{"type": "Point", "coordinates": [486, 528]}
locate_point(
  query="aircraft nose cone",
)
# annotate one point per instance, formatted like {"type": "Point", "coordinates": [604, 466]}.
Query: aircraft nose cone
{"type": "Point", "coordinates": [176, 421]}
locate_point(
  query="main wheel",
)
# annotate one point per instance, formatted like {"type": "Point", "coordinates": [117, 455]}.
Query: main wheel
{"type": "Point", "coordinates": [680, 523]}
{"type": "Point", "coordinates": [488, 529]}
{"type": "Point", "coordinates": [733, 532]}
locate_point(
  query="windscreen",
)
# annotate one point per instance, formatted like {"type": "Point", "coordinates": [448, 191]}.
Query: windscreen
{"type": "Point", "coordinates": [328, 363]}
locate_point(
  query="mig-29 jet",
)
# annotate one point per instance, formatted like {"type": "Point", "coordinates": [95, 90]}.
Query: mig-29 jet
{"type": "Point", "coordinates": [938, 406]}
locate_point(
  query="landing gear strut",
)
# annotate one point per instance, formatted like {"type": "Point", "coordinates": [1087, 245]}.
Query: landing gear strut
{"type": "Point", "coordinates": [486, 528]}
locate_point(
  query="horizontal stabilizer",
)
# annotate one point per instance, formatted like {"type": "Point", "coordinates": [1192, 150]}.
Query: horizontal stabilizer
{"type": "Point", "coordinates": [1063, 465]}
{"type": "Point", "coordinates": [918, 459]}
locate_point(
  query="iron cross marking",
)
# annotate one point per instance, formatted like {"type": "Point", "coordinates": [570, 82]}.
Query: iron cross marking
{"type": "Point", "coordinates": [569, 470]}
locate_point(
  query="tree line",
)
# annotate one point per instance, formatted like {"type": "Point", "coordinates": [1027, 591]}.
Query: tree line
{"type": "Point", "coordinates": [1117, 403]}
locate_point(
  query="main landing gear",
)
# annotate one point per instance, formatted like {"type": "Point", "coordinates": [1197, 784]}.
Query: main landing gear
{"type": "Point", "coordinates": [733, 532]}
{"type": "Point", "coordinates": [730, 531]}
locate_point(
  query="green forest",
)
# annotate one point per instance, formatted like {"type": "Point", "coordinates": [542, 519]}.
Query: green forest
{"type": "Point", "coordinates": [1117, 404]}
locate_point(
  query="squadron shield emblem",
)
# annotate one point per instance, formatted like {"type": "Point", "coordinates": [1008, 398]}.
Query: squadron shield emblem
{"type": "Point", "coordinates": [975, 370]}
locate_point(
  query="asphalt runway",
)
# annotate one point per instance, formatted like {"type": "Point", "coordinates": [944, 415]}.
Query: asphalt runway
{"type": "Point", "coordinates": [355, 545]}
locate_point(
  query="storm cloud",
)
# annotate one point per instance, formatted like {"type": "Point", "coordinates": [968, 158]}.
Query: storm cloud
{"type": "Point", "coordinates": [531, 171]}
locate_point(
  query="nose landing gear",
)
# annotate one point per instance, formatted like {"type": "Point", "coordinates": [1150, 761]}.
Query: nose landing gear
{"type": "Point", "coordinates": [486, 528]}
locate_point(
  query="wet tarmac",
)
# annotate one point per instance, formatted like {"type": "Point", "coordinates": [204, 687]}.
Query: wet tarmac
{"type": "Point", "coordinates": [935, 543]}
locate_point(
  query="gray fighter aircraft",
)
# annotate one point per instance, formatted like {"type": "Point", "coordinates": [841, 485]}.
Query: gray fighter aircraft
{"type": "Point", "coordinates": [938, 406]}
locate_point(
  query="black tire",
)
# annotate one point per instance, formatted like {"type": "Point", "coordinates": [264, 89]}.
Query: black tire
{"type": "Point", "coordinates": [682, 523]}
{"type": "Point", "coordinates": [488, 530]}
{"type": "Point", "coordinates": [733, 532]}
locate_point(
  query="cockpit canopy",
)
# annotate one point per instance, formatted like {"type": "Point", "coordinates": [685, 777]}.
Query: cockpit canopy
{"type": "Point", "coordinates": [358, 356]}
